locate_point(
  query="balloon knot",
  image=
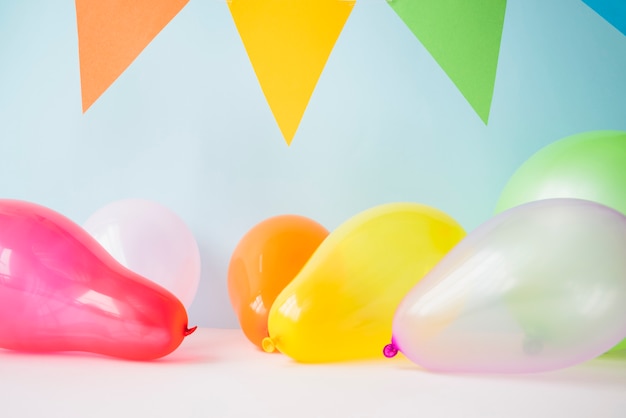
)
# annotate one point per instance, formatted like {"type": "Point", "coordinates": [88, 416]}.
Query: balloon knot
{"type": "Point", "coordinates": [390, 350]}
{"type": "Point", "coordinates": [268, 344]}
{"type": "Point", "coordinates": [189, 331]}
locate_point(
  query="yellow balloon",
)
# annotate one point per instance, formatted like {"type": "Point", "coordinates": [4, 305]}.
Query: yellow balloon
{"type": "Point", "coordinates": [341, 305]}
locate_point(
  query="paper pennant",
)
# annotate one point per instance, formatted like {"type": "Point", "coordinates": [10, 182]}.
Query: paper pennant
{"type": "Point", "coordinates": [613, 11]}
{"type": "Point", "coordinates": [463, 36]}
{"type": "Point", "coordinates": [288, 43]}
{"type": "Point", "coordinates": [111, 34]}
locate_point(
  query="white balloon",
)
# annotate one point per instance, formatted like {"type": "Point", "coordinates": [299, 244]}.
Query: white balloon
{"type": "Point", "coordinates": [541, 286]}
{"type": "Point", "coordinates": [152, 241]}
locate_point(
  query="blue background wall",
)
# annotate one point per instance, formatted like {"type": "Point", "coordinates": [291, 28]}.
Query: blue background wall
{"type": "Point", "coordinates": [187, 124]}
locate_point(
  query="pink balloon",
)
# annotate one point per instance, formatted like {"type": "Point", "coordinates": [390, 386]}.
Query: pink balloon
{"type": "Point", "coordinates": [61, 291]}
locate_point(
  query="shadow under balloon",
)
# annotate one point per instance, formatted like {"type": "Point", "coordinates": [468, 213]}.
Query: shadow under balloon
{"type": "Point", "coordinates": [606, 370]}
{"type": "Point", "coordinates": [205, 346]}
{"type": "Point", "coordinates": [350, 364]}
{"type": "Point", "coordinates": [183, 357]}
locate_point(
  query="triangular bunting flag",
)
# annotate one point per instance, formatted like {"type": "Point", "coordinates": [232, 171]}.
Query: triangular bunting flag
{"type": "Point", "coordinates": [613, 11]}
{"type": "Point", "coordinates": [288, 43]}
{"type": "Point", "coordinates": [463, 36]}
{"type": "Point", "coordinates": [111, 34]}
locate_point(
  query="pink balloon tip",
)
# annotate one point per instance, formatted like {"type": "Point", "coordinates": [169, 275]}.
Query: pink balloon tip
{"type": "Point", "coordinates": [189, 331]}
{"type": "Point", "coordinates": [390, 350]}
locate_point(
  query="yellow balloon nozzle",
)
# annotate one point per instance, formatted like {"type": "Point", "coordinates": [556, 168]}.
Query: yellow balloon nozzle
{"type": "Point", "coordinates": [268, 344]}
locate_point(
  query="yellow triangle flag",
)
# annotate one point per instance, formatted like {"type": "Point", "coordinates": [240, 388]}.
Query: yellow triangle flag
{"type": "Point", "coordinates": [288, 43]}
{"type": "Point", "coordinates": [111, 34]}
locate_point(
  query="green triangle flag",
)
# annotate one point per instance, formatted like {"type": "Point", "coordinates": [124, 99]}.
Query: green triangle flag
{"type": "Point", "coordinates": [463, 36]}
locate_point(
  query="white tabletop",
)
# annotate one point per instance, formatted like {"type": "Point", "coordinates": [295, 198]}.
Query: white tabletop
{"type": "Point", "coordinates": [218, 373]}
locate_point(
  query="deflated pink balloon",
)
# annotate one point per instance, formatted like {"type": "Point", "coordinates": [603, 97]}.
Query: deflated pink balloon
{"type": "Point", "coordinates": [540, 287]}
{"type": "Point", "coordinates": [61, 291]}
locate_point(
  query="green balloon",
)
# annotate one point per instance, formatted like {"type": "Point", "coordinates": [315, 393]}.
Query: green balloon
{"type": "Point", "coordinates": [590, 166]}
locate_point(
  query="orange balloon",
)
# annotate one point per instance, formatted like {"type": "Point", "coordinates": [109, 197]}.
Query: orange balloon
{"type": "Point", "coordinates": [266, 259]}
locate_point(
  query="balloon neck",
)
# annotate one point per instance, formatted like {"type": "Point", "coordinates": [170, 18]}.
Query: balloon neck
{"type": "Point", "coordinates": [189, 331]}
{"type": "Point", "coordinates": [268, 344]}
{"type": "Point", "coordinates": [390, 350]}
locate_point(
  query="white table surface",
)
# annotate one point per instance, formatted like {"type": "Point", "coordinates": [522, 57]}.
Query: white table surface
{"type": "Point", "coordinates": [218, 373]}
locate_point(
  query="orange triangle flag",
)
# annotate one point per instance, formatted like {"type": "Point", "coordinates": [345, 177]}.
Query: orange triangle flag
{"type": "Point", "coordinates": [111, 34]}
{"type": "Point", "coordinates": [288, 43]}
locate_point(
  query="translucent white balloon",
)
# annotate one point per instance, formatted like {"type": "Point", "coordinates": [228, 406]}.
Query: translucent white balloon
{"type": "Point", "coordinates": [152, 241]}
{"type": "Point", "coordinates": [539, 287]}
